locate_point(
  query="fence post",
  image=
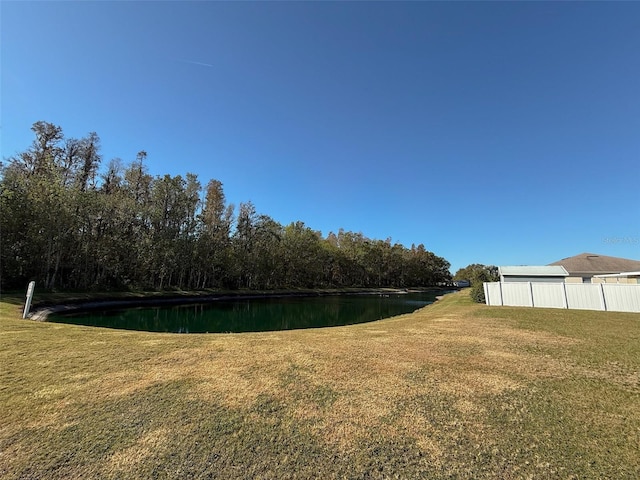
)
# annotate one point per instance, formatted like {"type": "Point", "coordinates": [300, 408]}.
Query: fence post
{"type": "Point", "coordinates": [603, 303]}
{"type": "Point", "coordinates": [531, 294]}
{"type": "Point", "coordinates": [27, 304]}
{"type": "Point", "coordinates": [486, 293]}
{"type": "Point", "coordinates": [565, 301]}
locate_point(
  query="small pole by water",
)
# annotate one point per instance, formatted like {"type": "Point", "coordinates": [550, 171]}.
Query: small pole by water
{"type": "Point", "coordinates": [27, 305]}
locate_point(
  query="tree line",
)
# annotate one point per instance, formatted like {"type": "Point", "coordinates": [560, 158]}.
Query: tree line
{"type": "Point", "coordinates": [67, 223]}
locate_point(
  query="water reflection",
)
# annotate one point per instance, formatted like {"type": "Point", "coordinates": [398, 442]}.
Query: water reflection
{"type": "Point", "coordinates": [253, 315]}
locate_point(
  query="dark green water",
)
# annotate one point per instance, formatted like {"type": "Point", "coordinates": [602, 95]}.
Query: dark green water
{"type": "Point", "coordinates": [255, 315]}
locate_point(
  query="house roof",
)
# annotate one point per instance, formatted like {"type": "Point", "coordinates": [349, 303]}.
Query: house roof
{"type": "Point", "coordinates": [534, 271]}
{"type": "Point", "coordinates": [594, 264]}
{"type": "Point", "coordinates": [619, 275]}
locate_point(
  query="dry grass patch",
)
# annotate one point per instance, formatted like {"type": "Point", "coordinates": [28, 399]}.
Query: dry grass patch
{"type": "Point", "coordinates": [127, 460]}
{"type": "Point", "coordinates": [453, 390]}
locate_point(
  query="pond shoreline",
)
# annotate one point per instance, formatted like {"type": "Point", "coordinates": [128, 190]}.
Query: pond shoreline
{"type": "Point", "coordinates": [42, 310]}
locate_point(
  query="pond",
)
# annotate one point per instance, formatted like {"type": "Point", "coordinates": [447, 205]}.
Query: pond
{"type": "Point", "coordinates": [256, 314]}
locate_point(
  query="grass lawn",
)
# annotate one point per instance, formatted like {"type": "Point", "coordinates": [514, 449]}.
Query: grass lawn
{"type": "Point", "coordinates": [453, 390]}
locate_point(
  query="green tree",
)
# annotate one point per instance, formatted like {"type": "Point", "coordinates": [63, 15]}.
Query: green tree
{"type": "Point", "coordinates": [244, 245]}
{"type": "Point", "coordinates": [477, 274]}
{"type": "Point", "coordinates": [266, 254]}
{"type": "Point", "coordinates": [16, 217]}
{"type": "Point", "coordinates": [301, 256]}
{"type": "Point", "coordinates": [214, 242]}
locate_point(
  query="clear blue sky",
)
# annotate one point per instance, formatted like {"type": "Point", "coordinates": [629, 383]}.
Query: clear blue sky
{"type": "Point", "coordinates": [498, 133]}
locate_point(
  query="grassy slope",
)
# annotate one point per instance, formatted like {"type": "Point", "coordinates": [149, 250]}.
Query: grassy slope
{"type": "Point", "coordinates": [454, 389]}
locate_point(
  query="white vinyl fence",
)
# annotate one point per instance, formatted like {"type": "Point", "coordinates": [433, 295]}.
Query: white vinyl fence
{"type": "Point", "coordinates": [615, 297]}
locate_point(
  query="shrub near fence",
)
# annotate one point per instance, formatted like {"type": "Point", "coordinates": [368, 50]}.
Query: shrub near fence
{"type": "Point", "coordinates": [578, 296]}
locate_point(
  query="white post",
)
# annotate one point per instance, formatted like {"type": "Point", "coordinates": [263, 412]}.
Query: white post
{"type": "Point", "coordinates": [27, 305]}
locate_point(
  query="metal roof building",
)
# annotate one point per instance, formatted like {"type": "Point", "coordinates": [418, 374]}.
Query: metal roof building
{"type": "Point", "coordinates": [533, 273]}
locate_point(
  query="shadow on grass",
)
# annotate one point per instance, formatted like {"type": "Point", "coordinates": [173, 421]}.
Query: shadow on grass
{"type": "Point", "coordinates": [13, 298]}
{"type": "Point", "coordinates": [163, 432]}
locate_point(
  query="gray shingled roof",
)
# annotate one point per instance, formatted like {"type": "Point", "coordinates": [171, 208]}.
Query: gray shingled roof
{"type": "Point", "coordinates": [595, 264]}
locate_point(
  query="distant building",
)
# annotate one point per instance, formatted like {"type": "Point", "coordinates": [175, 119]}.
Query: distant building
{"type": "Point", "coordinates": [594, 268]}
{"type": "Point", "coordinates": [622, 277]}
{"type": "Point", "coordinates": [531, 273]}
